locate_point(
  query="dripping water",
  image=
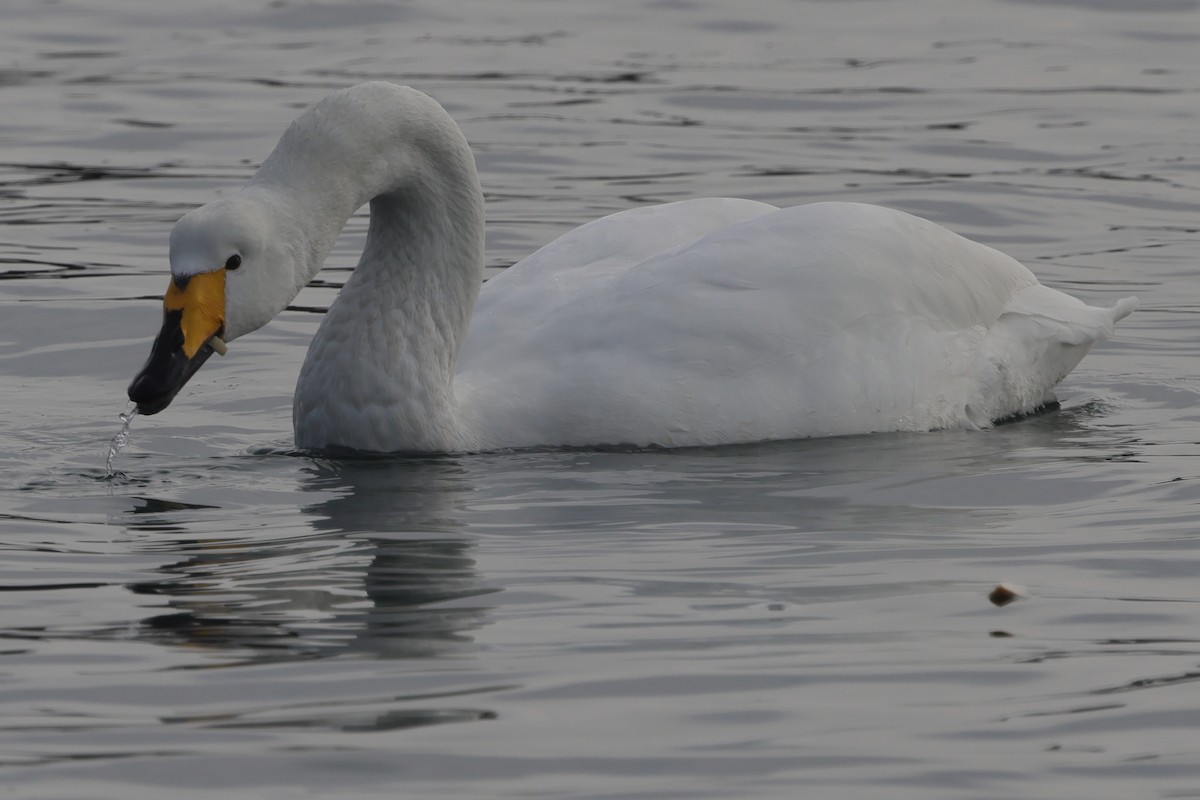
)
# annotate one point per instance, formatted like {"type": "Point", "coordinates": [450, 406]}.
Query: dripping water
{"type": "Point", "coordinates": [122, 437]}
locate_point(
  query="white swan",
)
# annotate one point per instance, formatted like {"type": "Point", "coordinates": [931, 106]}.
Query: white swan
{"type": "Point", "coordinates": [694, 323]}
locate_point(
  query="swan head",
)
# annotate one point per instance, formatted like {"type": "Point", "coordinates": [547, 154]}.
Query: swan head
{"type": "Point", "coordinates": [231, 272]}
{"type": "Point", "coordinates": [237, 262]}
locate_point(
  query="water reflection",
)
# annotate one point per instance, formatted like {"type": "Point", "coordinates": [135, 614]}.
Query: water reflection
{"type": "Point", "coordinates": [384, 570]}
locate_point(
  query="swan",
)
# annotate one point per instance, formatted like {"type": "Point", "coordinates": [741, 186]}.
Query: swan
{"type": "Point", "coordinates": [702, 322]}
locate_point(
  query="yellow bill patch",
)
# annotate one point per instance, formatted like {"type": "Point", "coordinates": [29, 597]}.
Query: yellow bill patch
{"type": "Point", "coordinates": [202, 303]}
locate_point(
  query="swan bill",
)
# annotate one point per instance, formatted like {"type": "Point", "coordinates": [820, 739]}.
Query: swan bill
{"type": "Point", "coordinates": [192, 329]}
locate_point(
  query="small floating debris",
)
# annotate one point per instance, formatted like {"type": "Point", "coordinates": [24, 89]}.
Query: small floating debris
{"type": "Point", "coordinates": [1006, 593]}
{"type": "Point", "coordinates": [121, 439]}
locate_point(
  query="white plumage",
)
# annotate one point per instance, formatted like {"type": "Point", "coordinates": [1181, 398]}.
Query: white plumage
{"type": "Point", "coordinates": [702, 322]}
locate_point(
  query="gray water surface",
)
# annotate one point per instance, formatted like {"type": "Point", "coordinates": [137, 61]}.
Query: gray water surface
{"type": "Point", "coordinates": [226, 617]}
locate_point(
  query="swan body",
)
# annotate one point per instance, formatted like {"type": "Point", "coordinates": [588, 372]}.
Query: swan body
{"type": "Point", "coordinates": [702, 322]}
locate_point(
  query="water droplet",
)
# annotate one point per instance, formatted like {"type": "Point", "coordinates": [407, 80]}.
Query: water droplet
{"type": "Point", "coordinates": [121, 439]}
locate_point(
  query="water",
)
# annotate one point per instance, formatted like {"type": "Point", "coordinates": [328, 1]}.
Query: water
{"type": "Point", "coordinates": [120, 439]}
{"type": "Point", "coordinates": [225, 617]}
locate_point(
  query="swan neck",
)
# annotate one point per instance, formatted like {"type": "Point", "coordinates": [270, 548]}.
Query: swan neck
{"type": "Point", "coordinates": [391, 339]}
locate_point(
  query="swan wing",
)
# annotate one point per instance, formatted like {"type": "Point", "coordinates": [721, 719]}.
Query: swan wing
{"type": "Point", "coordinates": [580, 263]}
{"type": "Point", "coordinates": [816, 320]}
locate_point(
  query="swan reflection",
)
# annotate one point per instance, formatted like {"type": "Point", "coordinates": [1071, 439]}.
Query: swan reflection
{"type": "Point", "coordinates": [383, 568]}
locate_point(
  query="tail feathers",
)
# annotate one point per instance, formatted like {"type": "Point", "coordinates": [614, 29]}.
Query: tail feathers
{"type": "Point", "coordinates": [1041, 336]}
{"type": "Point", "coordinates": [1123, 309]}
{"type": "Point", "coordinates": [1064, 318]}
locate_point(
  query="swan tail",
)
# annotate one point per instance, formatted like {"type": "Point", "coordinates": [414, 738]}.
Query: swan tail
{"type": "Point", "coordinates": [1041, 336]}
{"type": "Point", "coordinates": [1123, 309]}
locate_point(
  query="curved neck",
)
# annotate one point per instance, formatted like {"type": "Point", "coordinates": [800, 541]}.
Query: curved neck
{"type": "Point", "coordinates": [379, 373]}
{"type": "Point", "coordinates": [395, 148]}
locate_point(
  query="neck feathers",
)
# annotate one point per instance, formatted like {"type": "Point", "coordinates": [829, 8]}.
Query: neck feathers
{"type": "Point", "coordinates": [379, 374]}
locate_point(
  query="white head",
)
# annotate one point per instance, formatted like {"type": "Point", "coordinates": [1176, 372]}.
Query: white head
{"type": "Point", "coordinates": [246, 240]}
{"type": "Point", "coordinates": [235, 265]}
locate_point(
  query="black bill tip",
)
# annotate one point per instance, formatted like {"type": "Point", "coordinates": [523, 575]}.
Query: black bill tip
{"type": "Point", "coordinates": [167, 369]}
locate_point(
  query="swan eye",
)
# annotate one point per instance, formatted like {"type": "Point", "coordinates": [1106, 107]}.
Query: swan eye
{"type": "Point", "coordinates": [234, 262]}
